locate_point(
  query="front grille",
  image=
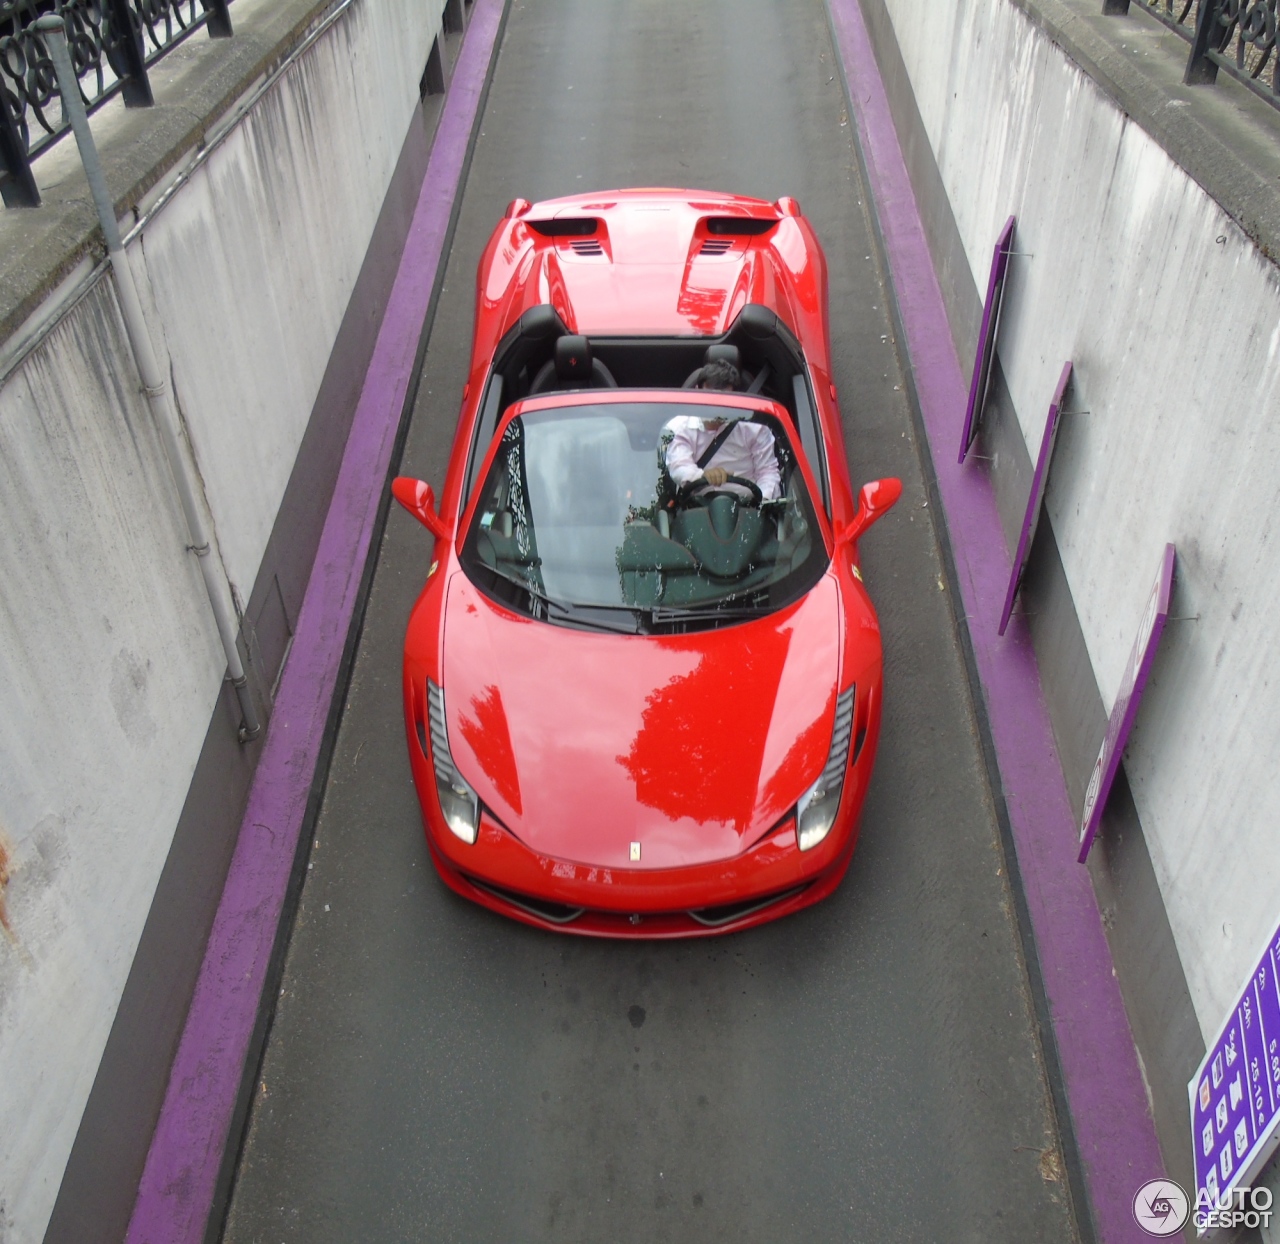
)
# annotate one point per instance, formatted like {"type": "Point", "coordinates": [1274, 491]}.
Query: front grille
{"type": "Point", "coordinates": [727, 913]}
{"type": "Point", "coordinates": [563, 914]}
{"type": "Point", "coordinates": [556, 913]}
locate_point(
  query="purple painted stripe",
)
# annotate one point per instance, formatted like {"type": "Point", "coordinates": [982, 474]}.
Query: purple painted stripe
{"type": "Point", "coordinates": [1103, 1085]}
{"type": "Point", "coordinates": [1035, 498]}
{"type": "Point", "coordinates": [176, 1193]}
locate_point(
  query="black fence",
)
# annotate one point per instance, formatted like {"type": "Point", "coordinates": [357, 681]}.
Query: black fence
{"type": "Point", "coordinates": [112, 45]}
{"type": "Point", "coordinates": [1236, 35]}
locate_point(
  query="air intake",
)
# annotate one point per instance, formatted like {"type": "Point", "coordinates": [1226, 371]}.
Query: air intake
{"type": "Point", "coordinates": [717, 917]}
{"type": "Point", "coordinates": [565, 227]}
{"type": "Point", "coordinates": [739, 226]}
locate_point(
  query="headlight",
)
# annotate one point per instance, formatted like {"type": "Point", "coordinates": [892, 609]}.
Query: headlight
{"type": "Point", "coordinates": [459, 803]}
{"type": "Point", "coordinates": [816, 811]}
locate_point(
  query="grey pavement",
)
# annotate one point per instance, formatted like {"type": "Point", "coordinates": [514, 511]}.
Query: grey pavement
{"type": "Point", "coordinates": [868, 1070]}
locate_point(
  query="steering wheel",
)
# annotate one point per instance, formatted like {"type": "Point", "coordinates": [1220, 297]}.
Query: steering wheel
{"type": "Point", "coordinates": [703, 495]}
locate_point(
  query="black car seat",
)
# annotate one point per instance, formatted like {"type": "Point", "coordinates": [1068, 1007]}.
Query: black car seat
{"type": "Point", "coordinates": [730, 354]}
{"type": "Point", "coordinates": [716, 353]}
{"type": "Point", "coordinates": [572, 367]}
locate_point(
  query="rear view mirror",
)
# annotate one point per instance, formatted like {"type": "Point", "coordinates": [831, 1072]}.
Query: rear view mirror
{"type": "Point", "coordinates": [420, 501]}
{"type": "Point", "coordinates": [874, 501]}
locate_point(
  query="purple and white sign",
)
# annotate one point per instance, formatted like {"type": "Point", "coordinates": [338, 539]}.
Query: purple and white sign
{"type": "Point", "coordinates": [1125, 708]}
{"type": "Point", "coordinates": [1039, 482]}
{"type": "Point", "coordinates": [986, 354]}
{"type": "Point", "coordinates": [1235, 1097]}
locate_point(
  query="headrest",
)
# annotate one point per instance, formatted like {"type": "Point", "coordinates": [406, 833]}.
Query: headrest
{"type": "Point", "coordinates": [573, 358]}
{"type": "Point", "coordinates": [728, 354]}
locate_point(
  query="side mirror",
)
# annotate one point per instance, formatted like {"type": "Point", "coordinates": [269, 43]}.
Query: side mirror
{"type": "Point", "coordinates": [874, 501]}
{"type": "Point", "coordinates": [420, 501]}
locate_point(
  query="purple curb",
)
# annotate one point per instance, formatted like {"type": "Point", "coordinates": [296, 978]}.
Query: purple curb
{"type": "Point", "coordinates": [1113, 1130]}
{"type": "Point", "coordinates": [175, 1197]}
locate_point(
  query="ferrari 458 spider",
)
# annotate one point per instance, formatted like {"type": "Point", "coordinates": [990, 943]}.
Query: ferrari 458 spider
{"type": "Point", "coordinates": [642, 691]}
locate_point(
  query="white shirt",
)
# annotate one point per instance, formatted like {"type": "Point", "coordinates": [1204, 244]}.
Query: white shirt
{"type": "Point", "coordinates": [746, 451]}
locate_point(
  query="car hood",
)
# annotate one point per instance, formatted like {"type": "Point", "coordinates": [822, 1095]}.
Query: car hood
{"type": "Point", "coordinates": [649, 269]}
{"type": "Point", "coordinates": [694, 746]}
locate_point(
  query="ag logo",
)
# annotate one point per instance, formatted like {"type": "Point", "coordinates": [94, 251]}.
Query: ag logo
{"type": "Point", "coordinates": [1160, 1207]}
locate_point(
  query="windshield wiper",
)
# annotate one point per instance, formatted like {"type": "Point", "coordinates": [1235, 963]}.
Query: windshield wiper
{"type": "Point", "coordinates": [586, 616]}
{"type": "Point", "coordinates": [589, 616]}
{"type": "Point", "coordinates": [661, 614]}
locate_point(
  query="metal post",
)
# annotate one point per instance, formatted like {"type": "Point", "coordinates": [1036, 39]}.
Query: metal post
{"type": "Point", "coordinates": [153, 381]}
{"type": "Point", "coordinates": [219, 23]}
{"type": "Point", "coordinates": [1200, 69]}
{"type": "Point", "coordinates": [18, 187]}
{"type": "Point", "coordinates": [125, 54]}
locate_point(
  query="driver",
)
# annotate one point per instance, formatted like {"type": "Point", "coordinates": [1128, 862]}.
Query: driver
{"type": "Point", "coordinates": [747, 451]}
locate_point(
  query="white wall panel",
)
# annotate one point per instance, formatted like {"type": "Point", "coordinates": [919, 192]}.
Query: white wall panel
{"type": "Point", "coordinates": [109, 662]}
{"type": "Point", "coordinates": [109, 667]}
{"type": "Point", "coordinates": [1172, 317]}
{"type": "Point", "coordinates": [251, 267]}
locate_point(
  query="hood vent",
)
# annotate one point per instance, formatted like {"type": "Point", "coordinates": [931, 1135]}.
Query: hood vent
{"type": "Point", "coordinates": [565, 227]}
{"type": "Point", "coordinates": [739, 226]}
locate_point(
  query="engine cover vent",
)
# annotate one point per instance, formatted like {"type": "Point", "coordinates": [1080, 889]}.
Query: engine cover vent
{"type": "Point", "coordinates": [565, 226]}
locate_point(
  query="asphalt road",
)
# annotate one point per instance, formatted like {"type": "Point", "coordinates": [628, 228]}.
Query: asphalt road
{"type": "Point", "coordinates": [868, 1070]}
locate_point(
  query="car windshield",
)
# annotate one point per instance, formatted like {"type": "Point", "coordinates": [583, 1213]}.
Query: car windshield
{"type": "Point", "coordinates": [582, 518]}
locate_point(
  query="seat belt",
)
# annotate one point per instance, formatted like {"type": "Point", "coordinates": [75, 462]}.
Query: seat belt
{"type": "Point", "coordinates": [716, 441]}
{"type": "Point", "coordinates": [707, 454]}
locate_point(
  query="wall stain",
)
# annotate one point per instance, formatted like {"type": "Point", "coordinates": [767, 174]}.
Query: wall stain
{"type": "Point", "coordinates": [130, 675]}
{"type": "Point", "coordinates": [4, 883]}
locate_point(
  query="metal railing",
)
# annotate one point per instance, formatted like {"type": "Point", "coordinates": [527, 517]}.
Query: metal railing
{"type": "Point", "coordinates": [1236, 35]}
{"type": "Point", "coordinates": [1174, 13]}
{"type": "Point", "coordinates": [112, 44]}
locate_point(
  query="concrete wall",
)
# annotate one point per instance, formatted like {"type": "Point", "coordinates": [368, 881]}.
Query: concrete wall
{"type": "Point", "coordinates": [109, 664]}
{"type": "Point", "coordinates": [1171, 314]}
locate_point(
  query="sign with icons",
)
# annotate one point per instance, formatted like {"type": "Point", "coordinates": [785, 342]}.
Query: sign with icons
{"type": "Point", "coordinates": [1235, 1096]}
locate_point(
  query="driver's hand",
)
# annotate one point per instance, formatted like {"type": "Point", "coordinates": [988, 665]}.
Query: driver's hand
{"type": "Point", "coordinates": [715, 476]}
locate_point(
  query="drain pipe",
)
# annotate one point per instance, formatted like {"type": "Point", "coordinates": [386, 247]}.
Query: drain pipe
{"type": "Point", "coordinates": [52, 30]}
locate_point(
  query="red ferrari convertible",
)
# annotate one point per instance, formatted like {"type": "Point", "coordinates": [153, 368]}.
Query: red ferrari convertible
{"type": "Point", "coordinates": [642, 682]}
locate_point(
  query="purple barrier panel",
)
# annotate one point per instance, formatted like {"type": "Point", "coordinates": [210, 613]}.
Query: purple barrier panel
{"type": "Point", "coordinates": [1128, 698]}
{"type": "Point", "coordinates": [986, 354]}
{"type": "Point", "coordinates": [1235, 1100]}
{"type": "Point", "coordinates": [1039, 482]}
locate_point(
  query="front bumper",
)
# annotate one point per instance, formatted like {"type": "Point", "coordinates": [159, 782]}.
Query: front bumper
{"type": "Point", "coordinates": [770, 879]}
